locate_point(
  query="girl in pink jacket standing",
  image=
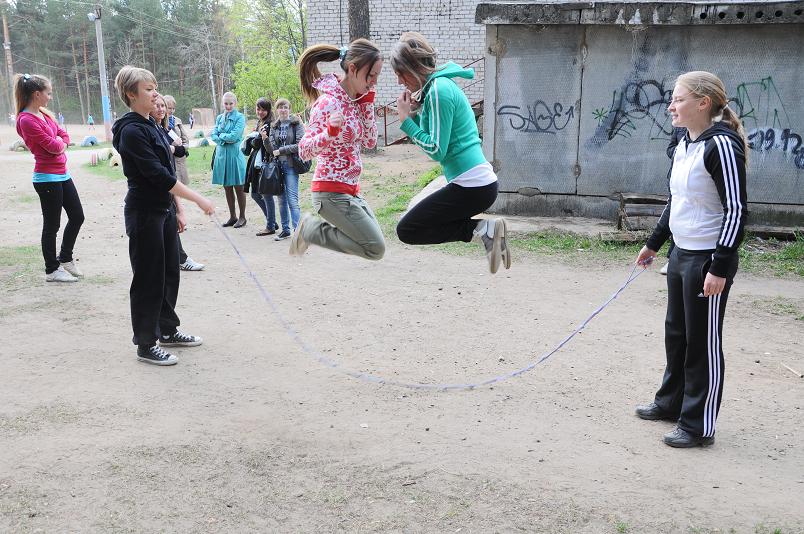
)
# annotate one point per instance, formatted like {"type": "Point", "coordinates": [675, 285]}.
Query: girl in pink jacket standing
{"type": "Point", "coordinates": [48, 142]}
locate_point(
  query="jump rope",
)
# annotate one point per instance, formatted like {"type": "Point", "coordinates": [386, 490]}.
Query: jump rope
{"type": "Point", "coordinates": [367, 377]}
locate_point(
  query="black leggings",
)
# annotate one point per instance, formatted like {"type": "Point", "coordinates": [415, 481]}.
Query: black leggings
{"type": "Point", "coordinates": [446, 215]}
{"type": "Point", "coordinates": [53, 196]}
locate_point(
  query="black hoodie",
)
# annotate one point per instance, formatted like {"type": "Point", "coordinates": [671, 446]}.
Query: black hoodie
{"type": "Point", "coordinates": [147, 162]}
{"type": "Point", "coordinates": [709, 180]}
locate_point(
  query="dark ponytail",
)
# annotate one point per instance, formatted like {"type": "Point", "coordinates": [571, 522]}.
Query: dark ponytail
{"type": "Point", "coordinates": [25, 85]}
{"type": "Point", "coordinates": [360, 52]}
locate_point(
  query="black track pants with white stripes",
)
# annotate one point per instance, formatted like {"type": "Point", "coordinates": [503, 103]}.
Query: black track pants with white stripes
{"type": "Point", "coordinates": [693, 379]}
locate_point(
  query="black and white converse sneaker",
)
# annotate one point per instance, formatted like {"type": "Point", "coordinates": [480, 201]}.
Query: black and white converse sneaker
{"type": "Point", "coordinates": [156, 356]}
{"type": "Point", "coordinates": [179, 339]}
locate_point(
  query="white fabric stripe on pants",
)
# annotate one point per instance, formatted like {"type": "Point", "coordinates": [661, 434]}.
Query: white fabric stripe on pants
{"type": "Point", "coordinates": [713, 335]}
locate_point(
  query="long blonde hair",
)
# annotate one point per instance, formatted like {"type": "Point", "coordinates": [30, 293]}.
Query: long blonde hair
{"type": "Point", "coordinates": [701, 84]}
{"type": "Point", "coordinates": [25, 85]}
{"type": "Point", "coordinates": [360, 52]}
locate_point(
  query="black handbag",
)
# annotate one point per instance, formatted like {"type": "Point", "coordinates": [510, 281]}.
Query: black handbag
{"type": "Point", "coordinates": [301, 166]}
{"type": "Point", "coordinates": [271, 180]}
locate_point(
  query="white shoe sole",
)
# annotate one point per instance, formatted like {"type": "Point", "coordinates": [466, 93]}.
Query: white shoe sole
{"type": "Point", "coordinates": [155, 362]}
{"type": "Point", "coordinates": [495, 256]}
{"type": "Point", "coordinates": [505, 250]}
{"type": "Point", "coordinates": [190, 344]}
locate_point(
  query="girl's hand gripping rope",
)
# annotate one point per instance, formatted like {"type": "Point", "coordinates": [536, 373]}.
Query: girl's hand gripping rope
{"type": "Point", "coordinates": [645, 257]}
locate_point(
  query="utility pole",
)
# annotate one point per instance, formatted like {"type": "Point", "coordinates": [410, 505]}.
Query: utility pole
{"type": "Point", "coordinates": [10, 66]}
{"type": "Point", "coordinates": [107, 116]}
{"type": "Point", "coordinates": [212, 80]}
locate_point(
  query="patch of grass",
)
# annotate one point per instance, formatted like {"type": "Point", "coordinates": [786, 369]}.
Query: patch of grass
{"type": "Point", "coordinates": [621, 527]}
{"type": "Point", "coordinates": [399, 197]}
{"type": "Point", "coordinates": [20, 265]}
{"type": "Point", "coordinates": [103, 170]}
{"type": "Point", "coordinates": [26, 198]}
{"type": "Point", "coordinates": [769, 256]}
{"type": "Point", "coordinates": [99, 146]}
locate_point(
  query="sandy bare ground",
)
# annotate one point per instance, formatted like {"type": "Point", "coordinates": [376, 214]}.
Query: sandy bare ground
{"type": "Point", "coordinates": [250, 434]}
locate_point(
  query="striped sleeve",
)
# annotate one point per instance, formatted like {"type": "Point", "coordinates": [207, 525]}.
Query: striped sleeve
{"type": "Point", "coordinates": [724, 158]}
{"type": "Point", "coordinates": [432, 134]}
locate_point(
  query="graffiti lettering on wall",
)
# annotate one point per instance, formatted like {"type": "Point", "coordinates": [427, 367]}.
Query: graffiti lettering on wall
{"type": "Point", "coordinates": [638, 101]}
{"type": "Point", "coordinates": [641, 106]}
{"type": "Point", "coordinates": [538, 118]}
{"type": "Point", "coordinates": [786, 141]}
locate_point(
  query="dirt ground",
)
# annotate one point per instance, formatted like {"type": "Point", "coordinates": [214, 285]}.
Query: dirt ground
{"type": "Point", "coordinates": [249, 433]}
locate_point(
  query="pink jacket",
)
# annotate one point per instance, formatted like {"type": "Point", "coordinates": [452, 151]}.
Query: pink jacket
{"type": "Point", "coordinates": [338, 165]}
{"type": "Point", "coordinates": [46, 140]}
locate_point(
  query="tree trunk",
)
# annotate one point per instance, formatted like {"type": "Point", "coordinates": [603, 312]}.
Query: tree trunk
{"type": "Point", "coordinates": [359, 19]}
{"type": "Point", "coordinates": [78, 85]}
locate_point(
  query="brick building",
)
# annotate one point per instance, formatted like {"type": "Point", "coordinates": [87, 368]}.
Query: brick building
{"type": "Point", "coordinates": [448, 24]}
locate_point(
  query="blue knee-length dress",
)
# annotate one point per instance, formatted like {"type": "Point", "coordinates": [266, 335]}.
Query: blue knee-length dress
{"type": "Point", "coordinates": [230, 165]}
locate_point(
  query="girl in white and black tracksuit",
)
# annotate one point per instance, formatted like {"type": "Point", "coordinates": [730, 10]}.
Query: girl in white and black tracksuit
{"type": "Point", "coordinates": [706, 215]}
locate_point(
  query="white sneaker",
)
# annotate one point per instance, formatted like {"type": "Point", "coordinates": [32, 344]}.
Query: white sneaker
{"type": "Point", "coordinates": [60, 275]}
{"type": "Point", "coordinates": [663, 270]}
{"type": "Point", "coordinates": [190, 265]}
{"type": "Point", "coordinates": [298, 246]}
{"type": "Point", "coordinates": [72, 268]}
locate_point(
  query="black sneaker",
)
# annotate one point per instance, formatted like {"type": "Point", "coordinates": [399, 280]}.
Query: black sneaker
{"type": "Point", "coordinates": [284, 235]}
{"type": "Point", "coordinates": [156, 356]}
{"type": "Point", "coordinates": [179, 339]}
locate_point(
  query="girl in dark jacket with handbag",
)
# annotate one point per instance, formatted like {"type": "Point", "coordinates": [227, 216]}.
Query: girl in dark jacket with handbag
{"type": "Point", "coordinates": [285, 134]}
{"type": "Point", "coordinates": [258, 150]}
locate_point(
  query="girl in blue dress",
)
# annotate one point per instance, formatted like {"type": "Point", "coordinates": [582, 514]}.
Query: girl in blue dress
{"type": "Point", "coordinates": [229, 165]}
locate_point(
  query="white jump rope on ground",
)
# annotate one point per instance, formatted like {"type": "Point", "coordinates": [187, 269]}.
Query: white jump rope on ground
{"type": "Point", "coordinates": [332, 364]}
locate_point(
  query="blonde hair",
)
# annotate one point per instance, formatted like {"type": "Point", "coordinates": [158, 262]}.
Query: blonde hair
{"type": "Point", "coordinates": [701, 83]}
{"type": "Point", "coordinates": [168, 100]}
{"type": "Point", "coordinates": [413, 55]}
{"type": "Point", "coordinates": [280, 101]}
{"type": "Point", "coordinates": [164, 122]}
{"type": "Point", "coordinates": [128, 80]}
{"type": "Point", "coordinates": [229, 94]}
{"type": "Point", "coordinates": [360, 52]}
{"type": "Point", "coordinates": [25, 85]}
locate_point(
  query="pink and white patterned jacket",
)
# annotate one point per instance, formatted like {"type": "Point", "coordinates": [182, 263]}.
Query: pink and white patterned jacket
{"type": "Point", "coordinates": [339, 165]}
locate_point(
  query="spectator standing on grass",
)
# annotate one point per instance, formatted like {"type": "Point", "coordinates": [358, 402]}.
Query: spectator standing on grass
{"type": "Point", "coordinates": [90, 122]}
{"type": "Point", "coordinates": [150, 218]}
{"type": "Point", "coordinates": [48, 143]}
{"type": "Point", "coordinates": [706, 214]}
{"type": "Point", "coordinates": [285, 134]}
{"type": "Point", "coordinates": [342, 122]}
{"type": "Point", "coordinates": [256, 148]}
{"type": "Point", "coordinates": [229, 168]}
{"type": "Point", "coordinates": [179, 150]}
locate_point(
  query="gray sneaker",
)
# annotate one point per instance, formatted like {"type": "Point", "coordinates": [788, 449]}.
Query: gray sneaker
{"type": "Point", "coordinates": [298, 246]}
{"type": "Point", "coordinates": [493, 239]}
{"type": "Point", "coordinates": [60, 275]}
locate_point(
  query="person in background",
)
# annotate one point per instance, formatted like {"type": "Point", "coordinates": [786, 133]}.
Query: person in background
{"type": "Point", "coordinates": [229, 168]}
{"type": "Point", "coordinates": [285, 134]}
{"type": "Point", "coordinates": [191, 120]}
{"type": "Point", "coordinates": [54, 185]}
{"type": "Point", "coordinates": [91, 122]}
{"type": "Point", "coordinates": [258, 154]}
{"type": "Point", "coordinates": [178, 147]}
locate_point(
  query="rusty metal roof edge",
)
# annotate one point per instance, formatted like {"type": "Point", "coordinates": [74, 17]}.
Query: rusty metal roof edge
{"type": "Point", "coordinates": [658, 13]}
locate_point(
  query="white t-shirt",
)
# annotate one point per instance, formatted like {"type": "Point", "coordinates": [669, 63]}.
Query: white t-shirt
{"type": "Point", "coordinates": [477, 176]}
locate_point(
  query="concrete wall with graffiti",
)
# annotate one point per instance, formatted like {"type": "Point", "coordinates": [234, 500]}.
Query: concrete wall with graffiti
{"type": "Point", "coordinates": [577, 113]}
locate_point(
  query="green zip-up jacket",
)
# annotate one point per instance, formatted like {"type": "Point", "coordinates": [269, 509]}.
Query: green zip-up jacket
{"type": "Point", "coordinates": [445, 126]}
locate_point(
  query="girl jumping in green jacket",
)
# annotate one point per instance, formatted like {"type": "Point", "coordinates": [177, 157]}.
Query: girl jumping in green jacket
{"type": "Point", "coordinates": [438, 118]}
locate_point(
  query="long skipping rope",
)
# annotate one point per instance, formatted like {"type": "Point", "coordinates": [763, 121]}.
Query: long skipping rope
{"type": "Point", "coordinates": [332, 364]}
